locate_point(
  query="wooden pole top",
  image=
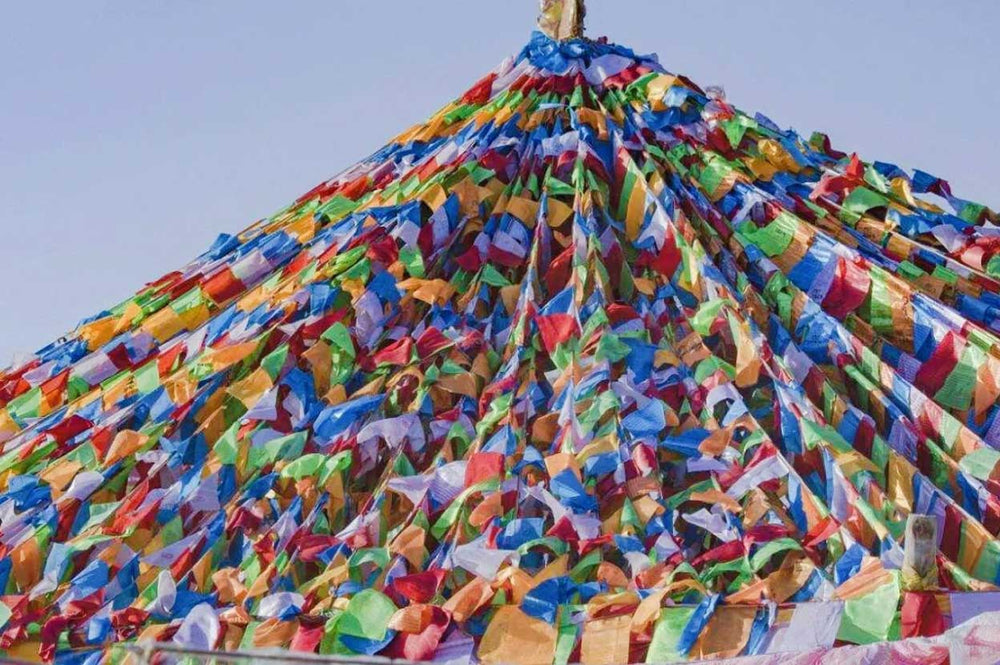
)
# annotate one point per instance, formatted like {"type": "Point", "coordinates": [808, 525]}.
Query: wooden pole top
{"type": "Point", "coordinates": [562, 19]}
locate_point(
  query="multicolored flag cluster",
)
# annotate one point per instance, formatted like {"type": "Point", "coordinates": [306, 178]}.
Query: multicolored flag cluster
{"type": "Point", "coordinates": [590, 367]}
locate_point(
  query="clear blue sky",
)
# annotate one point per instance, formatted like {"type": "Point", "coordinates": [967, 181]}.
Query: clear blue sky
{"type": "Point", "coordinates": [132, 132]}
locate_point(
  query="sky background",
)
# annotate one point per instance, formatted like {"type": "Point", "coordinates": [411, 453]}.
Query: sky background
{"type": "Point", "coordinates": [133, 132]}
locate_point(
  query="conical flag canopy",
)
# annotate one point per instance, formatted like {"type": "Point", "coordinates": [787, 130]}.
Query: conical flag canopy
{"type": "Point", "coordinates": [590, 367]}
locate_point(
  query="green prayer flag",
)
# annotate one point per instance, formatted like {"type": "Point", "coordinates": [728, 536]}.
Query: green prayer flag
{"type": "Point", "coordinates": [305, 466]}
{"type": "Point", "coordinates": [980, 463]}
{"type": "Point", "coordinates": [667, 635]}
{"type": "Point", "coordinates": [367, 616]}
{"type": "Point", "coordinates": [868, 619]}
{"type": "Point", "coordinates": [4, 615]}
{"type": "Point", "coordinates": [774, 238]}
{"type": "Point", "coordinates": [568, 630]}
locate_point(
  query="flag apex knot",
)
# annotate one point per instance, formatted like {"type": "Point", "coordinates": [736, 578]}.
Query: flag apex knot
{"type": "Point", "coordinates": [562, 20]}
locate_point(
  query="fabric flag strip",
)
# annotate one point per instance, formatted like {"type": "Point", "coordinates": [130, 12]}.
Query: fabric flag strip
{"type": "Point", "coordinates": [590, 367]}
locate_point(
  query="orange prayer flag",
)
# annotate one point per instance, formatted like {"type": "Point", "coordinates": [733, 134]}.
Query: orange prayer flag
{"type": "Point", "coordinates": [469, 599]}
{"type": "Point", "coordinates": [513, 636]}
{"type": "Point", "coordinates": [274, 633]}
{"type": "Point", "coordinates": [26, 563]}
{"type": "Point", "coordinates": [606, 641]}
{"type": "Point", "coordinates": [726, 634]}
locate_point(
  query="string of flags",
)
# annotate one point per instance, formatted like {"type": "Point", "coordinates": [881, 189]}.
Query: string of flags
{"type": "Point", "coordinates": [590, 367]}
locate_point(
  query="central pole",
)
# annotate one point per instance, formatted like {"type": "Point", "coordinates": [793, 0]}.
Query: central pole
{"type": "Point", "coordinates": [562, 19]}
